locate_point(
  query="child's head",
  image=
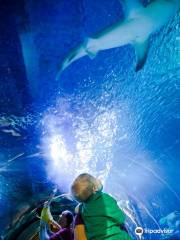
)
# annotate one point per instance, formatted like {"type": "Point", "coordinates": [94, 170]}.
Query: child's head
{"type": "Point", "coordinates": [84, 186]}
{"type": "Point", "coordinates": [65, 219]}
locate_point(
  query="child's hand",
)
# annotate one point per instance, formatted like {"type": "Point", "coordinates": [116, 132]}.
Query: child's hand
{"type": "Point", "coordinates": [46, 205]}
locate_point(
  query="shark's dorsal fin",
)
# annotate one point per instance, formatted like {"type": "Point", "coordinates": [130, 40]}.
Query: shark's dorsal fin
{"type": "Point", "coordinates": [141, 50]}
{"type": "Point", "coordinates": [131, 7]}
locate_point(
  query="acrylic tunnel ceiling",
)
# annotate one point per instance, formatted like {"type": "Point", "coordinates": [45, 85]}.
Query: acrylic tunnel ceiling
{"type": "Point", "coordinates": [99, 116]}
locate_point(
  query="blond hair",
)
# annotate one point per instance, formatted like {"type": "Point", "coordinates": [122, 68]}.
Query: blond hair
{"type": "Point", "coordinates": [84, 186]}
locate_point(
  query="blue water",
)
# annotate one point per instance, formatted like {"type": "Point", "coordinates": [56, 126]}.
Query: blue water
{"type": "Point", "coordinates": [100, 117]}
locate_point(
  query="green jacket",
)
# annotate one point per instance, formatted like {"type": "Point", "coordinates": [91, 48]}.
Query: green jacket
{"type": "Point", "coordinates": [102, 218]}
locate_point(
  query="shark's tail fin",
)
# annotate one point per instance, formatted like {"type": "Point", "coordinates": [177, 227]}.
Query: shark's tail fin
{"type": "Point", "coordinates": [58, 75]}
{"type": "Point", "coordinates": [75, 54]}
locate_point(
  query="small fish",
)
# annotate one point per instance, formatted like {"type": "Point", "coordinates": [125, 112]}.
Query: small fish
{"type": "Point", "coordinates": [12, 132]}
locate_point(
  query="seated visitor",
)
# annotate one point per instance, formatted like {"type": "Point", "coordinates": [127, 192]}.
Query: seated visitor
{"type": "Point", "coordinates": [63, 226]}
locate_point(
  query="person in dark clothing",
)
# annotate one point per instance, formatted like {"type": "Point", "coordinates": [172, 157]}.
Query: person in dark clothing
{"type": "Point", "coordinates": [65, 233]}
{"type": "Point", "coordinates": [63, 226]}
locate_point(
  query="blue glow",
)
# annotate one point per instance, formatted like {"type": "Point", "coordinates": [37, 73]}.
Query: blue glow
{"type": "Point", "coordinates": [100, 117]}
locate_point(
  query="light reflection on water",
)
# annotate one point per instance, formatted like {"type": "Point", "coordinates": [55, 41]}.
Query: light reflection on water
{"type": "Point", "coordinates": [91, 146]}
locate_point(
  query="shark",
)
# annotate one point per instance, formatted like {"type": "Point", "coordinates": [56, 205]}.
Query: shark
{"type": "Point", "coordinates": [135, 29]}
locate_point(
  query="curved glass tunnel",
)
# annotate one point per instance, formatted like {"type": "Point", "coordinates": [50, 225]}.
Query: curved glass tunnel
{"type": "Point", "coordinates": [27, 226]}
{"type": "Point", "coordinates": [100, 116]}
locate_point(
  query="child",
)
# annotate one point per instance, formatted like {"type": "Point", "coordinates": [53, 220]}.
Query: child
{"type": "Point", "coordinates": [63, 225]}
{"type": "Point", "coordinates": [99, 211]}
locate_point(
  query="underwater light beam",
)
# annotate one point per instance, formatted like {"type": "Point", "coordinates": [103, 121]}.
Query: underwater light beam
{"type": "Point", "coordinates": [59, 152]}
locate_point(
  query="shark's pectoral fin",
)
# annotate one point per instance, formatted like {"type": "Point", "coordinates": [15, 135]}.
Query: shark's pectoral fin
{"type": "Point", "coordinates": [91, 54]}
{"type": "Point", "coordinates": [90, 48]}
{"type": "Point", "coordinates": [141, 50]}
